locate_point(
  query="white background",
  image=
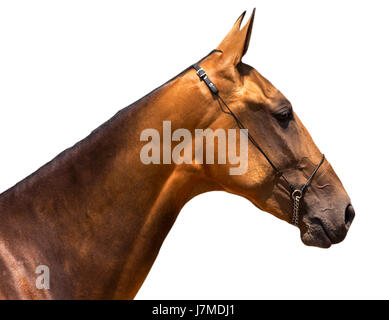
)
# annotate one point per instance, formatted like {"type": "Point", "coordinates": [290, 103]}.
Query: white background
{"type": "Point", "coordinates": [66, 67]}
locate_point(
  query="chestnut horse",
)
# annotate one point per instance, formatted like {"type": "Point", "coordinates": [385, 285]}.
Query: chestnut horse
{"type": "Point", "coordinates": [96, 215]}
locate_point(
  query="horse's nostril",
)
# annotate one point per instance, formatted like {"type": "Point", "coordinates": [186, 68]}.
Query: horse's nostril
{"type": "Point", "coordinates": [349, 215]}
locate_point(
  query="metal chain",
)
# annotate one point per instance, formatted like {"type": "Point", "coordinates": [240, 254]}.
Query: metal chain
{"type": "Point", "coordinates": [296, 195]}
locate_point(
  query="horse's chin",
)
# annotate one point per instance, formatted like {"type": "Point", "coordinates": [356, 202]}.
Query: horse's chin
{"type": "Point", "coordinates": [314, 241]}
{"type": "Point", "coordinates": [316, 236]}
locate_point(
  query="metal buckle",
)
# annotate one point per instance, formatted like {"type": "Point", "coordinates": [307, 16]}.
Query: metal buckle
{"type": "Point", "coordinates": [203, 74]}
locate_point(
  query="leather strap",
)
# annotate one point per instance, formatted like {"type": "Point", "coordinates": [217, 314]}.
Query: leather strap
{"type": "Point", "coordinates": [203, 76]}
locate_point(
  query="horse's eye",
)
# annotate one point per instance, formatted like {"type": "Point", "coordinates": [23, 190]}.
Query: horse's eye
{"type": "Point", "coordinates": [284, 116]}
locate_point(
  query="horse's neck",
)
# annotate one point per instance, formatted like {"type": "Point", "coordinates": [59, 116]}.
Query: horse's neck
{"type": "Point", "coordinates": [96, 209]}
{"type": "Point", "coordinates": [160, 191]}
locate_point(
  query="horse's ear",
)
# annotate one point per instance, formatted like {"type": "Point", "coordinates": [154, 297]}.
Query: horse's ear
{"type": "Point", "coordinates": [235, 44]}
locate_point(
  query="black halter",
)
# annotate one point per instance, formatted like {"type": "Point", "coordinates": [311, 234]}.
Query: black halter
{"type": "Point", "coordinates": [295, 193]}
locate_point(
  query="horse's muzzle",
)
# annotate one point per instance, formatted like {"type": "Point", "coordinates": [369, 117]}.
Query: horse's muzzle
{"type": "Point", "coordinates": [320, 231]}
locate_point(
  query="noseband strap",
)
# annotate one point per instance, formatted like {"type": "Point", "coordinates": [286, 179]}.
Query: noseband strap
{"type": "Point", "coordinates": [296, 194]}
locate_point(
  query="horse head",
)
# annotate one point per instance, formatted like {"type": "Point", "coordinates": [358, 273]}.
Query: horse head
{"type": "Point", "coordinates": [325, 209]}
